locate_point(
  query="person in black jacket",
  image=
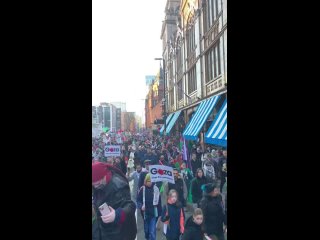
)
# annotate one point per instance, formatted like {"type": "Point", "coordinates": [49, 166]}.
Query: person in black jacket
{"type": "Point", "coordinates": [195, 164]}
{"type": "Point", "coordinates": [144, 173]}
{"type": "Point", "coordinates": [121, 165]}
{"type": "Point", "coordinates": [223, 163]}
{"type": "Point", "coordinates": [179, 185]}
{"type": "Point", "coordinates": [213, 210]}
{"type": "Point", "coordinates": [196, 184]}
{"type": "Point", "coordinates": [173, 217]}
{"type": "Point", "coordinates": [193, 227]}
{"type": "Point", "coordinates": [111, 186]}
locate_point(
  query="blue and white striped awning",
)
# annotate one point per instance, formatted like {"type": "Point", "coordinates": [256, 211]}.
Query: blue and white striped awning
{"type": "Point", "coordinates": [192, 130]}
{"type": "Point", "coordinates": [173, 121]}
{"type": "Point", "coordinates": [217, 133]}
{"type": "Point", "coordinates": [167, 122]}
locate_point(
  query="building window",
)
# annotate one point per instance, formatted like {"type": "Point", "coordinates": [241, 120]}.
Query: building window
{"type": "Point", "coordinates": [171, 70]}
{"type": "Point", "coordinates": [191, 38]}
{"type": "Point", "coordinates": [171, 98]}
{"type": "Point", "coordinates": [179, 61]}
{"type": "Point", "coordinates": [192, 80]}
{"type": "Point", "coordinates": [154, 102]}
{"type": "Point", "coordinates": [180, 90]}
{"type": "Point", "coordinates": [213, 62]}
{"type": "Point", "coordinates": [213, 10]}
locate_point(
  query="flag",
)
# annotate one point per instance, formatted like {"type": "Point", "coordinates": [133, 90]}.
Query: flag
{"type": "Point", "coordinates": [105, 129]}
{"type": "Point", "coordinates": [185, 154]}
{"type": "Point", "coordinates": [185, 150]}
{"type": "Point", "coordinates": [181, 143]}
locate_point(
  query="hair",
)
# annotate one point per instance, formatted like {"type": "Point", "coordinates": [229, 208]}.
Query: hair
{"type": "Point", "coordinates": [178, 203]}
{"type": "Point", "coordinates": [173, 191]}
{"type": "Point", "coordinates": [208, 188]}
{"type": "Point", "coordinates": [138, 164]}
{"type": "Point", "coordinates": [197, 212]}
{"type": "Point", "coordinates": [199, 169]}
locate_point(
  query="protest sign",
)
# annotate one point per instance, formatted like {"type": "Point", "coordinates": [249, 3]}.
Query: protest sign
{"type": "Point", "coordinates": [161, 173]}
{"type": "Point", "coordinates": [112, 150]}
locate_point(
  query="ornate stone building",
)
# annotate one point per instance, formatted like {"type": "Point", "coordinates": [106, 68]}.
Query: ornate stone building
{"type": "Point", "coordinates": [194, 35]}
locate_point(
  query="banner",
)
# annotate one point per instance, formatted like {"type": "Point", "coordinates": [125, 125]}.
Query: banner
{"type": "Point", "coordinates": [112, 151]}
{"type": "Point", "coordinates": [161, 173]}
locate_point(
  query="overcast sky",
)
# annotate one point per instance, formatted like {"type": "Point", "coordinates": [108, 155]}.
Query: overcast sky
{"type": "Point", "coordinates": [125, 41]}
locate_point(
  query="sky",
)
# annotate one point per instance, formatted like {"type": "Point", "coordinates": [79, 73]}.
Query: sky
{"type": "Point", "coordinates": [125, 41]}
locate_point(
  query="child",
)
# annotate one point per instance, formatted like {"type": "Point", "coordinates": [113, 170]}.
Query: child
{"type": "Point", "coordinates": [193, 226]}
{"type": "Point", "coordinates": [149, 202]}
{"type": "Point", "coordinates": [173, 217]}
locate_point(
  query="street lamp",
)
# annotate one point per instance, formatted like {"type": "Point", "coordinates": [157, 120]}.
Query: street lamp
{"type": "Point", "coordinates": [164, 91]}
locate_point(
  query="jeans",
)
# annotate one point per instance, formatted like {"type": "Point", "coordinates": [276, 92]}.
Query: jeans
{"type": "Point", "coordinates": [150, 227]}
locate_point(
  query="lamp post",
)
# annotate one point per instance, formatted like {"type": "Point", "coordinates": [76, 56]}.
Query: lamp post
{"type": "Point", "coordinates": [164, 93]}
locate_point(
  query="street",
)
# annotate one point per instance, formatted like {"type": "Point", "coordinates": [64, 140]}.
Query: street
{"type": "Point", "coordinates": [160, 235]}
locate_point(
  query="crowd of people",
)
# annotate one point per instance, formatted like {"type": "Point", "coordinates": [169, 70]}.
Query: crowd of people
{"type": "Point", "coordinates": [200, 182]}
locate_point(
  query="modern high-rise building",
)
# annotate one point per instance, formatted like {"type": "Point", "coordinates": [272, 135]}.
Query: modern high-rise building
{"type": "Point", "coordinates": [107, 115]}
{"type": "Point", "coordinates": [121, 105]}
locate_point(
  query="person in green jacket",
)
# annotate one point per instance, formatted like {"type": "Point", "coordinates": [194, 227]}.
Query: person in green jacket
{"type": "Point", "coordinates": [187, 177]}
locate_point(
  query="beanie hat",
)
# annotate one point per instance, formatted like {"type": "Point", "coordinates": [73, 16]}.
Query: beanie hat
{"type": "Point", "coordinates": [208, 188]}
{"type": "Point", "coordinates": [147, 178]}
{"type": "Point", "coordinates": [100, 170]}
{"type": "Point", "coordinates": [147, 161]}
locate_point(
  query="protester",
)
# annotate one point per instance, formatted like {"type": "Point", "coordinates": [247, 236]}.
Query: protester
{"type": "Point", "coordinates": [110, 186]}
{"type": "Point", "coordinates": [193, 226]}
{"type": "Point", "coordinates": [140, 155]}
{"type": "Point", "coordinates": [162, 161]}
{"type": "Point", "coordinates": [120, 164]}
{"type": "Point", "coordinates": [213, 210]}
{"type": "Point", "coordinates": [144, 172]}
{"type": "Point", "coordinates": [179, 185]}
{"type": "Point", "coordinates": [195, 163]}
{"type": "Point", "coordinates": [223, 164]}
{"type": "Point", "coordinates": [135, 177]}
{"type": "Point", "coordinates": [110, 160]}
{"type": "Point", "coordinates": [186, 174]}
{"type": "Point", "coordinates": [150, 156]}
{"type": "Point", "coordinates": [199, 153]}
{"type": "Point", "coordinates": [131, 165]}
{"type": "Point", "coordinates": [209, 172]}
{"type": "Point", "coordinates": [196, 184]}
{"type": "Point", "coordinates": [173, 217]}
{"type": "Point", "coordinates": [149, 201]}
